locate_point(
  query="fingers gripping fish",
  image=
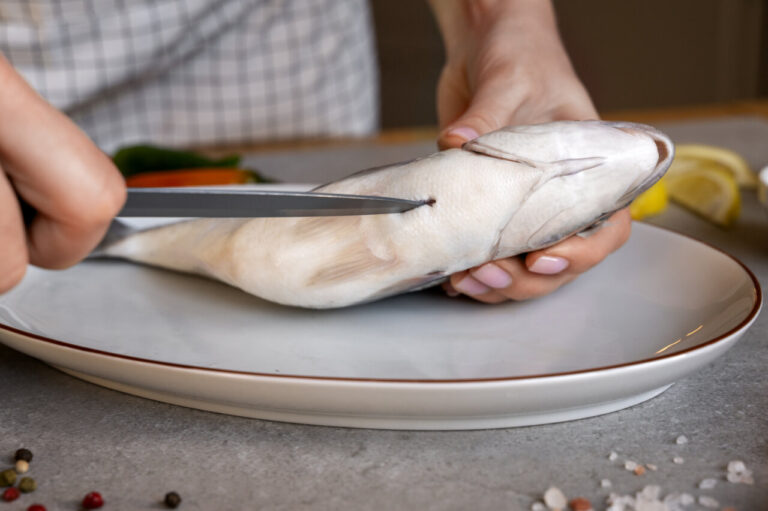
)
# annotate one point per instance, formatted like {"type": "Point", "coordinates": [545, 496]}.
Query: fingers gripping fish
{"type": "Point", "coordinates": [511, 191]}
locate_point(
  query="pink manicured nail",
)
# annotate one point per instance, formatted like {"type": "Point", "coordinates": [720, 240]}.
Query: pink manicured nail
{"type": "Point", "coordinates": [493, 276]}
{"type": "Point", "coordinates": [470, 286]}
{"type": "Point", "coordinates": [463, 132]}
{"type": "Point", "coordinates": [549, 265]}
{"type": "Point", "coordinates": [448, 288]}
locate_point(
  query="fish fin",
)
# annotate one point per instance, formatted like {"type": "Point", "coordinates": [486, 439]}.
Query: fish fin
{"type": "Point", "coordinates": [480, 148]}
{"type": "Point", "coordinates": [364, 172]}
{"type": "Point", "coordinates": [556, 168]}
{"type": "Point", "coordinates": [574, 165]}
{"type": "Point", "coordinates": [354, 260]}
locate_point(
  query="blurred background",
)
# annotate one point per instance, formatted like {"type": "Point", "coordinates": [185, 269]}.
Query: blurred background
{"type": "Point", "coordinates": [630, 54]}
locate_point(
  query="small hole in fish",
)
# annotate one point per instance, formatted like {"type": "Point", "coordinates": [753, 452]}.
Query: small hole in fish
{"type": "Point", "coordinates": [430, 202]}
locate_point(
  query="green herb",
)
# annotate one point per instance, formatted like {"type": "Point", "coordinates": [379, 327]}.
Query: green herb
{"type": "Point", "coordinates": [146, 158]}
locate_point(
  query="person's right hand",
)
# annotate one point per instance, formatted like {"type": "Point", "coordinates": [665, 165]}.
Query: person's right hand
{"type": "Point", "coordinates": [56, 169]}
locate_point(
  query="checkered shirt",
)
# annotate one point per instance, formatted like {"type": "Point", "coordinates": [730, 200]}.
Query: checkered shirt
{"type": "Point", "coordinates": [198, 72]}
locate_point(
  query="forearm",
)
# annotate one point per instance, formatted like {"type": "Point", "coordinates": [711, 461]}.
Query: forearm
{"type": "Point", "coordinates": [460, 21]}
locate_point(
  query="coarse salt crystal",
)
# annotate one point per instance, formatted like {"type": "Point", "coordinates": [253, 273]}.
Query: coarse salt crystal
{"type": "Point", "coordinates": [686, 499]}
{"type": "Point", "coordinates": [678, 460]}
{"type": "Point", "coordinates": [554, 498]}
{"type": "Point", "coordinates": [651, 467]}
{"type": "Point", "coordinates": [739, 473]}
{"type": "Point", "coordinates": [613, 456]}
{"type": "Point", "coordinates": [622, 500]}
{"type": "Point", "coordinates": [630, 465]}
{"type": "Point", "coordinates": [740, 478]}
{"type": "Point", "coordinates": [605, 483]}
{"type": "Point", "coordinates": [538, 506]}
{"type": "Point", "coordinates": [709, 502]}
{"type": "Point", "coordinates": [650, 506]}
{"type": "Point", "coordinates": [650, 492]}
{"type": "Point", "coordinates": [673, 500]}
{"type": "Point", "coordinates": [682, 439]}
{"type": "Point", "coordinates": [707, 484]}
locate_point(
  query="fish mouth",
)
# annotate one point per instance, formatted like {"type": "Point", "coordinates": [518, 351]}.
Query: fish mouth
{"type": "Point", "coordinates": [666, 152]}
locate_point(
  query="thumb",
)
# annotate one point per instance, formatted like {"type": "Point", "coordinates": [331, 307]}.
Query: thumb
{"type": "Point", "coordinates": [492, 107]}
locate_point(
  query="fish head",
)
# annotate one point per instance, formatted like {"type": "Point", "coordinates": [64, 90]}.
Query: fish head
{"type": "Point", "coordinates": [587, 170]}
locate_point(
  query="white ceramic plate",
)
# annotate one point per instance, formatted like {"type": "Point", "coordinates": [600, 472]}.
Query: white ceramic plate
{"type": "Point", "coordinates": [661, 307]}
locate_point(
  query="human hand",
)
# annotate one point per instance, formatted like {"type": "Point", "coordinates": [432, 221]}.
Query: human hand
{"type": "Point", "coordinates": [505, 65]}
{"type": "Point", "coordinates": [56, 169]}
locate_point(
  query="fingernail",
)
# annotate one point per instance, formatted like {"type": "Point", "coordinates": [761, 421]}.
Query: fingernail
{"type": "Point", "coordinates": [549, 265]}
{"type": "Point", "coordinates": [470, 286]}
{"type": "Point", "coordinates": [448, 288]}
{"type": "Point", "coordinates": [493, 276]}
{"type": "Point", "coordinates": [463, 132]}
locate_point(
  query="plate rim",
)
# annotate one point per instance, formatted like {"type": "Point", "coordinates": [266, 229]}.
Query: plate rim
{"type": "Point", "coordinates": [744, 323]}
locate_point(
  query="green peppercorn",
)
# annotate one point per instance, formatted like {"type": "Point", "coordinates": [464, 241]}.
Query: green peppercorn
{"type": "Point", "coordinates": [23, 454]}
{"type": "Point", "coordinates": [27, 485]}
{"type": "Point", "coordinates": [7, 477]}
{"type": "Point", "coordinates": [172, 499]}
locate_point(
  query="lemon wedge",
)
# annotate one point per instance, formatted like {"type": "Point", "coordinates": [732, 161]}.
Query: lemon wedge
{"type": "Point", "coordinates": [692, 156]}
{"type": "Point", "coordinates": [651, 202]}
{"type": "Point", "coordinates": [708, 190]}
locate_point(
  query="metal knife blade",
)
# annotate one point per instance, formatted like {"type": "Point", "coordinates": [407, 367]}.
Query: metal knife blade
{"type": "Point", "coordinates": [210, 203]}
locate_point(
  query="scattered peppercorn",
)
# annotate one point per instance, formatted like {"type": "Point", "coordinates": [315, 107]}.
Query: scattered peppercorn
{"type": "Point", "coordinates": [93, 500]}
{"type": "Point", "coordinates": [580, 504]}
{"type": "Point", "coordinates": [36, 507]}
{"type": "Point", "coordinates": [23, 454]}
{"type": "Point", "coordinates": [27, 485]}
{"type": "Point", "coordinates": [11, 494]}
{"type": "Point", "coordinates": [22, 466]}
{"type": "Point", "coordinates": [7, 477]}
{"type": "Point", "coordinates": [172, 499]}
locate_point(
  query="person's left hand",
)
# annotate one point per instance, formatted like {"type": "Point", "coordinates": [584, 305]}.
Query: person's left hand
{"type": "Point", "coordinates": [505, 65]}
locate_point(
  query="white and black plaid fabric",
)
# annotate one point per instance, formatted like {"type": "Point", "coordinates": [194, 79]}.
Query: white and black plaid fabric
{"type": "Point", "coordinates": [198, 72]}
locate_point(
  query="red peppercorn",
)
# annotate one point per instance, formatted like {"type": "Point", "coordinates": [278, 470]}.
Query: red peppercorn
{"type": "Point", "coordinates": [580, 504]}
{"type": "Point", "coordinates": [11, 494]}
{"type": "Point", "coordinates": [36, 507]}
{"type": "Point", "coordinates": [93, 500]}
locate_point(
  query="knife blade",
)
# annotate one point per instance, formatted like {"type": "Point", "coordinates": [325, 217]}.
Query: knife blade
{"type": "Point", "coordinates": [211, 203]}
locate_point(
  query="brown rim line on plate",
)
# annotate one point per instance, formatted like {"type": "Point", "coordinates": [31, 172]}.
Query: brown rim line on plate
{"type": "Point", "coordinates": [748, 319]}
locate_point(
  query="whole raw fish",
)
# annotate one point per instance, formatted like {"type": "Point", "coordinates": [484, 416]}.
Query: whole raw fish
{"type": "Point", "coordinates": [511, 191]}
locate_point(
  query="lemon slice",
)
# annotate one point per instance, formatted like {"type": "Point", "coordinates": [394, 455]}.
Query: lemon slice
{"type": "Point", "coordinates": [708, 191]}
{"type": "Point", "coordinates": [691, 156]}
{"type": "Point", "coordinates": [651, 202]}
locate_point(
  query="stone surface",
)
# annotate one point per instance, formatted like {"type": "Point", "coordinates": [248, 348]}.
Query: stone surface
{"type": "Point", "coordinates": [133, 451]}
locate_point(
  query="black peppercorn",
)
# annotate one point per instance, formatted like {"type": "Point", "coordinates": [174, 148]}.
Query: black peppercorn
{"type": "Point", "coordinates": [172, 499]}
{"type": "Point", "coordinates": [23, 454]}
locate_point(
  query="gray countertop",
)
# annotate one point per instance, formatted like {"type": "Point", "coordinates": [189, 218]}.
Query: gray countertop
{"type": "Point", "coordinates": [133, 450]}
